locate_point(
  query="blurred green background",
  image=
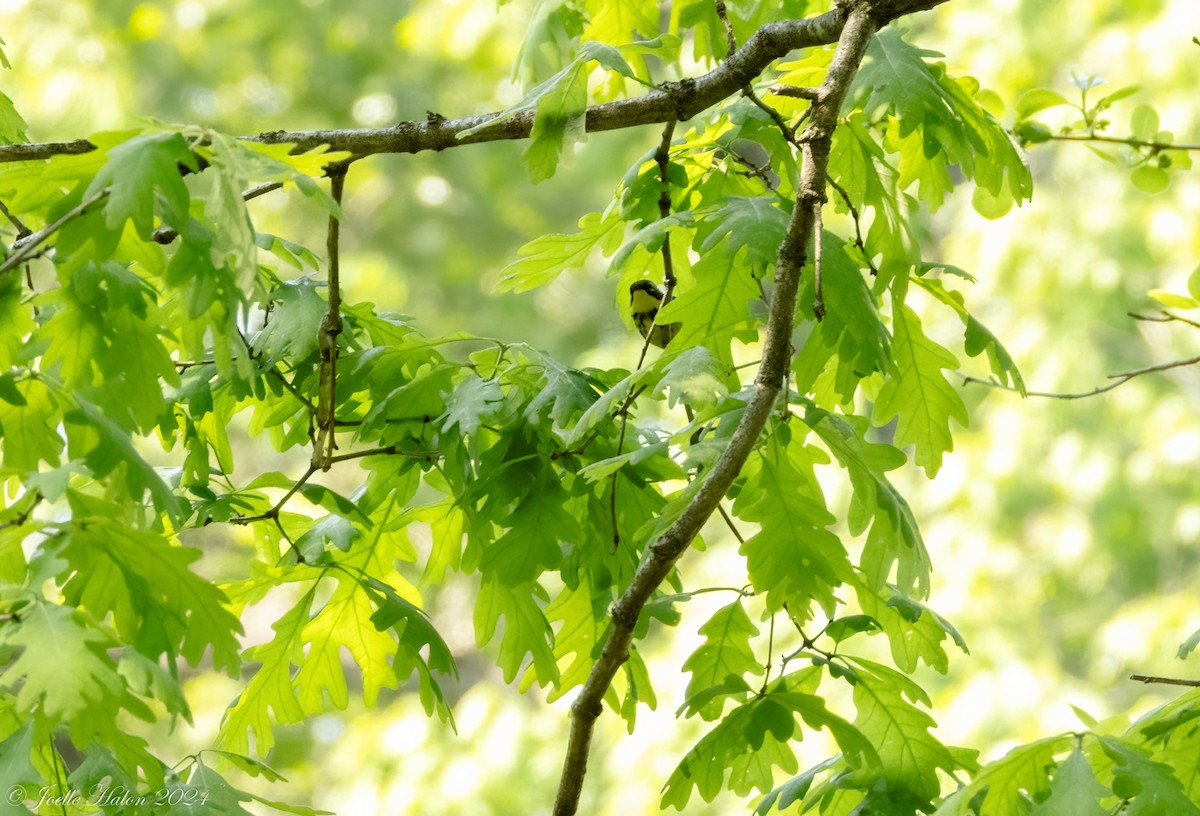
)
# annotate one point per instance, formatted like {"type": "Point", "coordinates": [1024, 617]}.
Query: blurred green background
{"type": "Point", "coordinates": [1064, 533]}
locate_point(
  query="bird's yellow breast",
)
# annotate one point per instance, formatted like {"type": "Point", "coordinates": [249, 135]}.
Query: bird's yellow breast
{"type": "Point", "coordinates": [643, 302]}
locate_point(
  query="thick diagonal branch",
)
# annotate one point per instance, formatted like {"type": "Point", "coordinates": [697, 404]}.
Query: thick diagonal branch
{"type": "Point", "coordinates": [860, 23]}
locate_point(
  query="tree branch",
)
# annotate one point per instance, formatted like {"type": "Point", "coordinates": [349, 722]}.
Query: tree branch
{"type": "Point", "coordinates": [33, 152]}
{"type": "Point", "coordinates": [1120, 379]}
{"type": "Point", "coordinates": [23, 248]}
{"type": "Point", "coordinates": [165, 235]}
{"type": "Point", "coordinates": [327, 336]}
{"type": "Point", "coordinates": [1170, 681]}
{"type": "Point", "coordinates": [662, 157]}
{"type": "Point", "coordinates": [860, 24]}
{"type": "Point", "coordinates": [677, 100]}
{"type": "Point", "coordinates": [1128, 141]}
{"type": "Point", "coordinates": [857, 218]}
{"type": "Point", "coordinates": [1165, 317]}
{"type": "Point", "coordinates": [795, 93]}
{"type": "Point", "coordinates": [22, 230]}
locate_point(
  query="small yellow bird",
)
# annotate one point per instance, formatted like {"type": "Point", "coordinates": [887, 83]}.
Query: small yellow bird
{"type": "Point", "coordinates": [644, 301]}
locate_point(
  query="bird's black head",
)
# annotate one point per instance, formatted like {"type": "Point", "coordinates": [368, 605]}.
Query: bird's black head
{"type": "Point", "coordinates": [647, 287]}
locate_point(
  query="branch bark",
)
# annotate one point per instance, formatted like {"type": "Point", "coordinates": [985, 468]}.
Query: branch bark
{"type": "Point", "coordinates": [861, 20]}
{"type": "Point", "coordinates": [327, 336]}
{"type": "Point", "coordinates": [676, 100]}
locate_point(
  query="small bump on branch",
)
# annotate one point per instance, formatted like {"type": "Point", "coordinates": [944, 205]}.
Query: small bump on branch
{"type": "Point", "coordinates": [796, 92]}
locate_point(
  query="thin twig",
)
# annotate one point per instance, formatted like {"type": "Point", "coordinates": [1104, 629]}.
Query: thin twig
{"type": "Point", "coordinates": [261, 190]}
{"type": "Point", "coordinates": [1169, 681]}
{"type": "Point", "coordinates": [277, 508]}
{"type": "Point", "coordinates": [1128, 141]}
{"type": "Point", "coordinates": [663, 157]}
{"type": "Point", "coordinates": [789, 131]}
{"type": "Point", "coordinates": [854, 215]}
{"type": "Point", "coordinates": [770, 653]}
{"type": "Point", "coordinates": [166, 235]}
{"type": "Point", "coordinates": [1163, 318]}
{"type": "Point", "coordinates": [807, 643]}
{"type": "Point", "coordinates": [24, 516]}
{"type": "Point", "coordinates": [22, 248]}
{"type": "Point", "coordinates": [1171, 316]}
{"type": "Point", "coordinates": [22, 230]}
{"type": "Point", "coordinates": [730, 39]}
{"type": "Point", "coordinates": [745, 591]}
{"type": "Point", "coordinates": [387, 450]}
{"type": "Point", "coordinates": [288, 386]}
{"type": "Point", "coordinates": [1120, 379]}
{"type": "Point", "coordinates": [183, 365]}
{"type": "Point", "coordinates": [290, 542]}
{"type": "Point", "coordinates": [273, 513]}
{"type": "Point", "coordinates": [729, 523]}
{"type": "Point", "coordinates": [327, 338]}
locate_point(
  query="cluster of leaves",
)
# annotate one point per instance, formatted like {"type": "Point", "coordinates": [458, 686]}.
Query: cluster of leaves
{"type": "Point", "coordinates": [1147, 151]}
{"type": "Point", "coordinates": [1146, 768]}
{"type": "Point", "coordinates": [163, 314]}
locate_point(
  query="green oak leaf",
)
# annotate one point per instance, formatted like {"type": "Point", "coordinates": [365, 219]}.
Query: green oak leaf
{"type": "Point", "coordinates": [725, 651]}
{"type": "Point", "coordinates": [526, 631]}
{"type": "Point", "coordinates": [899, 731]}
{"type": "Point", "coordinates": [158, 603]}
{"type": "Point", "coordinates": [143, 177]}
{"type": "Point", "coordinates": [757, 223]}
{"type": "Point", "coordinates": [544, 259]}
{"type": "Point", "coordinates": [1152, 786]}
{"type": "Point", "coordinates": [920, 396]}
{"type": "Point", "coordinates": [1006, 784]}
{"type": "Point", "coordinates": [793, 558]}
{"type": "Point", "coordinates": [270, 694]}
{"type": "Point", "coordinates": [79, 681]}
{"type": "Point", "coordinates": [1074, 790]}
{"type": "Point", "coordinates": [293, 324]}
